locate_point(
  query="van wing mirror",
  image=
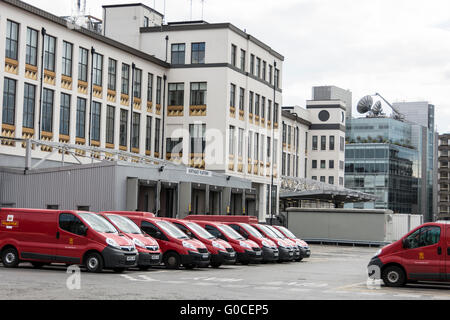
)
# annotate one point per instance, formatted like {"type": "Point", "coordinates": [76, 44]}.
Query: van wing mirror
{"type": "Point", "coordinates": [406, 243]}
{"type": "Point", "coordinates": [83, 230]}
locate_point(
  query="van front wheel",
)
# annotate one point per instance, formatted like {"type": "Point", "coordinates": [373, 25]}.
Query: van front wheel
{"type": "Point", "coordinates": [172, 261]}
{"type": "Point", "coordinates": [394, 276]}
{"type": "Point", "coordinates": [94, 262]}
{"type": "Point", "coordinates": [10, 258]}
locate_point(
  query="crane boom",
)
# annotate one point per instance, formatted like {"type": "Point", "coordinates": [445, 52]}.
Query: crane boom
{"type": "Point", "coordinates": [390, 105]}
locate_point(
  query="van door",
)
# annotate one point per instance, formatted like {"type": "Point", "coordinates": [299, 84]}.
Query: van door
{"type": "Point", "coordinates": [424, 258]}
{"type": "Point", "coordinates": [153, 231]}
{"type": "Point", "coordinates": [70, 239]}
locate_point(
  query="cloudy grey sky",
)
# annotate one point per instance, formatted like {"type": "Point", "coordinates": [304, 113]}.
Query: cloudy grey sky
{"type": "Point", "coordinates": [399, 48]}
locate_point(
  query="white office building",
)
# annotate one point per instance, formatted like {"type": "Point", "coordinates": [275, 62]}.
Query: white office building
{"type": "Point", "coordinates": [207, 96]}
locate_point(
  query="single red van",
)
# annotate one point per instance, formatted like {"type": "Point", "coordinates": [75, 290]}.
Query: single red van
{"type": "Point", "coordinates": [148, 248]}
{"type": "Point", "coordinates": [70, 237]}
{"type": "Point", "coordinates": [247, 251]}
{"type": "Point", "coordinates": [305, 250]}
{"type": "Point", "coordinates": [177, 248]}
{"type": "Point", "coordinates": [221, 251]}
{"type": "Point", "coordinates": [421, 255]}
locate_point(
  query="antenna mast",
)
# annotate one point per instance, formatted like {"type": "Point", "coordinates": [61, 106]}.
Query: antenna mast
{"type": "Point", "coordinates": [203, 7]}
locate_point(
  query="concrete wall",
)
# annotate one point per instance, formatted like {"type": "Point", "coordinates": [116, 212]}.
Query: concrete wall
{"type": "Point", "coordinates": [338, 224]}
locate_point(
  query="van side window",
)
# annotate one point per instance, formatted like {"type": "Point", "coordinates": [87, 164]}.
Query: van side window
{"type": "Point", "coordinates": [426, 236]}
{"type": "Point", "coordinates": [152, 231]}
{"type": "Point", "coordinates": [235, 227]}
{"type": "Point", "coordinates": [214, 231]}
{"type": "Point", "coordinates": [184, 229]}
{"type": "Point", "coordinates": [68, 222]}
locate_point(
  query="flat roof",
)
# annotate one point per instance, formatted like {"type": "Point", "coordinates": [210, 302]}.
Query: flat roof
{"type": "Point", "coordinates": [133, 5]}
{"type": "Point", "coordinates": [96, 36]}
{"type": "Point", "coordinates": [202, 25]}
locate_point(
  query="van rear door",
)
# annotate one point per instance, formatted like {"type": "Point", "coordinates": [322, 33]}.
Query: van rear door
{"type": "Point", "coordinates": [71, 239]}
{"type": "Point", "coordinates": [424, 259]}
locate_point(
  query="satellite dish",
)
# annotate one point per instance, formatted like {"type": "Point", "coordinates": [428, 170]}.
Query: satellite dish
{"type": "Point", "coordinates": [377, 108]}
{"type": "Point", "coordinates": [365, 104]}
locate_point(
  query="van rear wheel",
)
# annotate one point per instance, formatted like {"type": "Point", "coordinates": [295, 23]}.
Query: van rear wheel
{"type": "Point", "coordinates": [94, 262]}
{"type": "Point", "coordinates": [394, 276]}
{"type": "Point", "coordinates": [10, 258]}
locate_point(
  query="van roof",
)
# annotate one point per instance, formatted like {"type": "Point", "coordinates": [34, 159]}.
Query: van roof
{"type": "Point", "coordinates": [216, 218]}
{"type": "Point", "coordinates": [27, 210]}
{"type": "Point", "coordinates": [131, 213]}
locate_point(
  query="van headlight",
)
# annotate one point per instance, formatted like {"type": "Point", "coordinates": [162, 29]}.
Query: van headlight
{"type": "Point", "coordinates": [112, 243]}
{"type": "Point", "coordinates": [189, 246]}
{"type": "Point", "coordinates": [281, 244]}
{"type": "Point", "coordinates": [217, 245]}
{"type": "Point", "coordinates": [378, 253]}
{"type": "Point", "coordinates": [138, 243]}
{"type": "Point", "coordinates": [245, 245]}
{"type": "Point", "coordinates": [265, 244]}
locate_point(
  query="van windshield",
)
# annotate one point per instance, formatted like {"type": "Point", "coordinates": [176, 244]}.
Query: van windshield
{"type": "Point", "coordinates": [97, 223]}
{"type": "Point", "coordinates": [252, 231]}
{"type": "Point", "coordinates": [229, 232]}
{"type": "Point", "coordinates": [172, 230]}
{"type": "Point", "coordinates": [267, 231]}
{"type": "Point", "coordinates": [277, 232]}
{"type": "Point", "coordinates": [125, 225]}
{"type": "Point", "coordinates": [200, 231]}
{"type": "Point", "coordinates": [288, 232]}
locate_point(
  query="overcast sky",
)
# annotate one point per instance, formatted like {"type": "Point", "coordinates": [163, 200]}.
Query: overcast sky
{"type": "Point", "coordinates": [399, 48]}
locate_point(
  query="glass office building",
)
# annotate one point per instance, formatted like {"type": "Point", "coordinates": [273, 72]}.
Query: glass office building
{"type": "Point", "coordinates": [384, 158]}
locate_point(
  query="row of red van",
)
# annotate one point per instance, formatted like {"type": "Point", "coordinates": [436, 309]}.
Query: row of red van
{"type": "Point", "coordinates": [122, 240]}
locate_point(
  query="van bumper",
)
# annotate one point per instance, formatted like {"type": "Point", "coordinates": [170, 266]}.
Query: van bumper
{"type": "Point", "coordinates": [250, 256]}
{"type": "Point", "coordinates": [297, 253]}
{"type": "Point", "coordinates": [224, 258]}
{"type": "Point", "coordinates": [199, 259]}
{"type": "Point", "coordinates": [270, 255]}
{"type": "Point", "coordinates": [115, 258]}
{"type": "Point", "coordinates": [305, 252]}
{"type": "Point", "coordinates": [286, 254]}
{"type": "Point", "coordinates": [374, 262]}
{"type": "Point", "coordinates": [149, 259]}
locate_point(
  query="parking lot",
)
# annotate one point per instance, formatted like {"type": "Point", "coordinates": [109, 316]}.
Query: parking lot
{"type": "Point", "coordinates": [331, 273]}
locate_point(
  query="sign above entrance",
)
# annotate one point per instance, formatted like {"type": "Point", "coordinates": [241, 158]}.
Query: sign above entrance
{"type": "Point", "coordinates": [198, 172]}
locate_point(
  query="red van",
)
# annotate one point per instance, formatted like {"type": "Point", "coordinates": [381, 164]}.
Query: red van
{"type": "Point", "coordinates": [247, 250]}
{"type": "Point", "coordinates": [71, 237]}
{"type": "Point", "coordinates": [421, 255]}
{"type": "Point", "coordinates": [305, 251]}
{"type": "Point", "coordinates": [148, 248]}
{"type": "Point", "coordinates": [177, 248]}
{"type": "Point", "coordinates": [221, 251]}
{"type": "Point", "coordinates": [286, 251]}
